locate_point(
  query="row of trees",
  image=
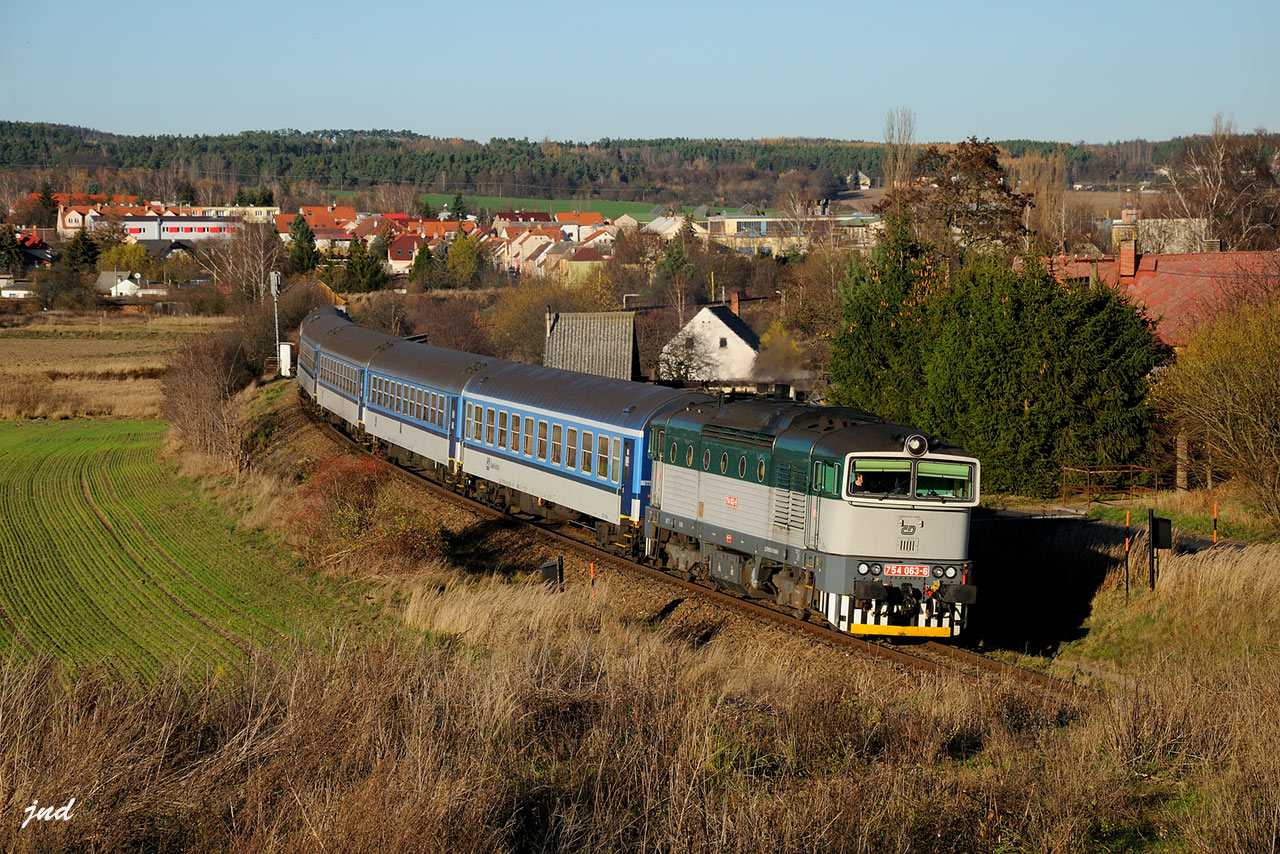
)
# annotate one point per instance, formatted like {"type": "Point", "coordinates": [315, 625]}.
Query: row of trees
{"type": "Point", "coordinates": [624, 169]}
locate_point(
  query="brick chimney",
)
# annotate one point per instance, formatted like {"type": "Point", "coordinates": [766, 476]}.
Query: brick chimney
{"type": "Point", "coordinates": [733, 301]}
{"type": "Point", "coordinates": [1128, 257]}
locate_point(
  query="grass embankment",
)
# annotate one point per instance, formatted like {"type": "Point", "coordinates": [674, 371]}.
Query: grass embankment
{"type": "Point", "coordinates": [1191, 512]}
{"type": "Point", "coordinates": [109, 557]}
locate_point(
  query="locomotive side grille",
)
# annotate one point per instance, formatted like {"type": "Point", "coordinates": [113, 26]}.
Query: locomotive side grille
{"type": "Point", "coordinates": [789, 501]}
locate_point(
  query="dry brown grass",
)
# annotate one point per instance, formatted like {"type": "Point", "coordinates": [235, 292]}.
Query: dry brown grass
{"type": "Point", "coordinates": [528, 720]}
{"type": "Point", "coordinates": [68, 365]}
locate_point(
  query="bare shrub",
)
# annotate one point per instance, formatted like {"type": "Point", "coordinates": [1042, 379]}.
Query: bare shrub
{"type": "Point", "coordinates": [199, 392]}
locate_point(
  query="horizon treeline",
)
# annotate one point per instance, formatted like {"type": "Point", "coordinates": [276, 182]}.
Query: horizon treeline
{"type": "Point", "coordinates": [664, 169]}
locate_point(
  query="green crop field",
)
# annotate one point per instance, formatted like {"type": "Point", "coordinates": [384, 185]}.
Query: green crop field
{"type": "Point", "coordinates": [108, 555]}
{"type": "Point", "coordinates": [611, 210]}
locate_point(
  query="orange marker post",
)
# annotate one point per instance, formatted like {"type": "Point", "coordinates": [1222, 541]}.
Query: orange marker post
{"type": "Point", "coordinates": [1215, 523]}
{"type": "Point", "coordinates": [593, 579]}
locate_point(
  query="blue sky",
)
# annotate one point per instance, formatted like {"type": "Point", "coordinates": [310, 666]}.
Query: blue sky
{"type": "Point", "coordinates": [582, 71]}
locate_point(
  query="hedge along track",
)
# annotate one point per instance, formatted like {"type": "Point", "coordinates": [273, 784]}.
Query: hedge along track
{"type": "Point", "coordinates": [929, 657]}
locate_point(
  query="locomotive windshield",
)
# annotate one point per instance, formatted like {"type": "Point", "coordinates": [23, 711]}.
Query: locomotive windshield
{"type": "Point", "coordinates": [928, 480]}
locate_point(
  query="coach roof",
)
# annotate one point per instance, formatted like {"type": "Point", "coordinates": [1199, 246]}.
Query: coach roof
{"type": "Point", "coordinates": [441, 369]}
{"type": "Point", "coordinates": [618, 403]}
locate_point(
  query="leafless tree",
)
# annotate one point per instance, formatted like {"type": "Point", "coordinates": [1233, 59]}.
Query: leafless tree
{"type": "Point", "coordinates": [900, 146]}
{"type": "Point", "coordinates": [396, 198]}
{"type": "Point", "coordinates": [242, 263]}
{"type": "Point", "coordinates": [1227, 179]}
{"type": "Point", "coordinates": [686, 359]}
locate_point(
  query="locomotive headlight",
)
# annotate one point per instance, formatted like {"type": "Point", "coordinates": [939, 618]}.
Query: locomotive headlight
{"type": "Point", "coordinates": [951, 572]}
{"type": "Point", "coordinates": [917, 445]}
{"type": "Point", "coordinates": [875, 569]}
{"type": "Point", "coordinates": [937, 572]}
{"type": "Point", "coordinates": [863, 569]}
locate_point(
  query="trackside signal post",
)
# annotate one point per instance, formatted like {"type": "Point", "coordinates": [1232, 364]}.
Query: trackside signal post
{"type": "Point", "coordinates": [274, 279]}
{"type": "Point", "coordinates": [1161, 537]}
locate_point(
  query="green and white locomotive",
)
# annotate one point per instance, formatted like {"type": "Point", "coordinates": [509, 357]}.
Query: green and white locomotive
{"type": "Point", "coordinates": [825, 510]}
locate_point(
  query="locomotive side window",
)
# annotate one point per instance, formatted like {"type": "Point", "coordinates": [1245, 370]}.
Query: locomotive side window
{"type": "Point", "coordinates": [944, 480]}
{"type": "Point", "coordinates": [587, 455]}
{"type": "Point", "coordinates": [724, 463]}
{"type": "Point", "coordinates": [615, 466]}
{"type": "Point", "coordinates": [571, 452]}
{"type": "Point", "coordinates": [602, 457]}
{"type": "Point", "coordinates": [706, 459]}
{"type": "Point", "coordinates": [542, 441]}
{"type": "Point", "coordinates": [673, 452]}
{"type": "Point", "coordinates": [688, 456]}
{"type": "Point", "coordinates": [760, 471]}
{"type": "Point", "coordinates": [557, 435]}
{"type": "Point", "coordinates": [742, 466]}
{"type": "Point", "coordinates": [502, 430]}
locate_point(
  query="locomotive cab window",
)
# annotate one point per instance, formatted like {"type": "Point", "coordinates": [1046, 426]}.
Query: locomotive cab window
{"type": "Point", "coordinates": [944, 480]}
{"type": "Point", "coordinates": [880, 477]}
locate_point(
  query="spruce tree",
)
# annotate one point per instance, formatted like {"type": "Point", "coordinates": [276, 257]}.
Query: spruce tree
{"type": "Point", "coordinates": [80, 252]}
{"type": "Point", "coordinates": [302, 245]}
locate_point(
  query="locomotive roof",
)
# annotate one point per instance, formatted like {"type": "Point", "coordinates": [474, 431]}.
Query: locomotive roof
{"type": "Point", "coordinates": [619, 403]}
{"type": "Point", "coordinates": [800, 427]}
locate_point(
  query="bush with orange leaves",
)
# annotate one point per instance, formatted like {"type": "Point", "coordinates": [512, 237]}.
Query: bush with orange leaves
{"type": "Point", "coordinates": [351, 514]}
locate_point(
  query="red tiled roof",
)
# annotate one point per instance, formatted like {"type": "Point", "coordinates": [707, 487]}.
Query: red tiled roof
{"type": "Point", "coordinates": [586, 253]}
{"type": "Point", "coordinates": [585, 218]}
{"type": "Point", "coordinates": [1178, 291]}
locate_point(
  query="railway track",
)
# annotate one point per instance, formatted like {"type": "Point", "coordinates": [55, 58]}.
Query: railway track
{"type": "Point", "coordinates": [927, 656]}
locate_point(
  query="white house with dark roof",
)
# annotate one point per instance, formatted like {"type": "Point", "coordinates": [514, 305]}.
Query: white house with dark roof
{"type": "Point", "coordinates": [715, 346]}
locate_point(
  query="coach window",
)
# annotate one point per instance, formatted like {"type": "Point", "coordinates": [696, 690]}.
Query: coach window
{"type": "Point", "coordinates": [602, 457]}
{"type": "Point", "coordinates": [488, 426]}
{"type": "Point", "coordinates": [417, 405]}
{"type": "Point", "coordinates": [586, 452]}
{"type": "Point", "coordinates": [557, 443]}
{"type": "Point", "coordinates": [470, 406]}
{"type": "Point", "coordinates": [502, 430]}
{"type": "Point", "coordinates": [571, 450]}
{"type": "Point", "coordinates": [615, 467]}
{"type": "Point", "coordinates": [542, 441]}
{"type": "Point", "coordinates": [478, 427]}
{"type": "Point", "coordinates": [515, 434]}
{"type": "Point", "coordinates": [724, 463]}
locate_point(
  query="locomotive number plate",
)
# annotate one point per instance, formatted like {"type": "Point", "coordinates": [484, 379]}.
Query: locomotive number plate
{"type": "Point", "coordinates": [907, 569]}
